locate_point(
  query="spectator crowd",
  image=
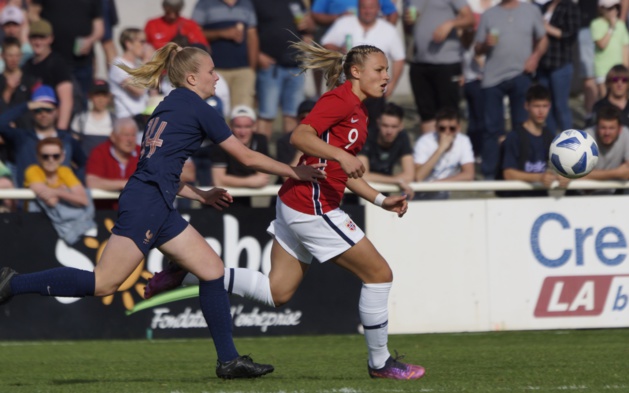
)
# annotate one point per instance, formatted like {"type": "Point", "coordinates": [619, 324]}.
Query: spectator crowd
{"type": "Point", "coordinates": [491, 82]}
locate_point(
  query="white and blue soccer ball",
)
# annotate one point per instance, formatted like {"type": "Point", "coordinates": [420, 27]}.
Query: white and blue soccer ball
{"type": "Point", "coordinates": [573, 153]}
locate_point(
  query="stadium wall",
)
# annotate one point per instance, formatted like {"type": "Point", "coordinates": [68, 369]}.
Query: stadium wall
{"type": "Point", "coordinates": [459, 265]}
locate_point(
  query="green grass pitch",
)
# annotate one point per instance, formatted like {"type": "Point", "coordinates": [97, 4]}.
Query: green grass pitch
{"type": "Point", "coordinates": [535, 361]}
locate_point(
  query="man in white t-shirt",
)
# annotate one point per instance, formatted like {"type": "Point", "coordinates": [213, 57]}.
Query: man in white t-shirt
{"type": "Point", "coordinates": [367, 29]}
{"type": "Point", "coordinates": [444, 154]}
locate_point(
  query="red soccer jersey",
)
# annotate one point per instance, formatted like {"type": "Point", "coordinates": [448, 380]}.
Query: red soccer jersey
{"type": "Point", "coordinates": [159, 32]}
{"type": "Point", "coordinates": [340, 119]}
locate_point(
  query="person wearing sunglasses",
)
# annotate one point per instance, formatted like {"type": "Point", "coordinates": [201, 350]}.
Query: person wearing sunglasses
{"type": "Point", "coordinates": [43, 108]}
{"type": "Point", "coordinates": [612, 42]}
{"type": "Point", "coordinates": [443, 155]}
{"type": "Point", "coordinates": [617, 83]}
{"type": "Point", "coordinates": [59, 192]}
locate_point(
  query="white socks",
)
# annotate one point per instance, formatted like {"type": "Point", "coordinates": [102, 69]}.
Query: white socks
{"type": "Point", "coordinates": [374, 315]}
{"type": "Point", "coordinates": [248, 283]}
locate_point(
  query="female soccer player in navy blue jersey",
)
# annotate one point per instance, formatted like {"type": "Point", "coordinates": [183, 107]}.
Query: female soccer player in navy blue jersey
{"type": "Point", "coordinates": [147, 218]}
{"type": "Point", "coordinates": [309, 222]}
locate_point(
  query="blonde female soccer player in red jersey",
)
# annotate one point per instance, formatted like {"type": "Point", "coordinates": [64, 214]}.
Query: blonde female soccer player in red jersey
{"type": "Point", "coordinates": [309, 222]}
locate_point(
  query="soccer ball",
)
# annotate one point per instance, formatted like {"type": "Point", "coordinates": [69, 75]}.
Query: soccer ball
{"type": "Point", "coordinates": [573, 153]}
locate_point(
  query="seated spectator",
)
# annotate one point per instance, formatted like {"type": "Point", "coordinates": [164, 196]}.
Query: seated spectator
{"type": "Point", "coordinates": [43, 108]}
{"type": "Point", "coordinates": [112, 162]}
{"type": "Point", "coordinates": [227, 171]}
{"type": "Point", "coordinates": [443, 155]}
{"type": "Point", "coordinates": [15, 86]}
{"type": "Point", "coordinates": [95, 125]}
{"type": "Point", "coordinates": [59, 192]}
{"type": "Point", "coordinates": [524, 153]}
{"type": "Point", "coordinates": [389, 148]}
{"type": "Point", "coordinates": [129, 100]}
{"type": "Point", "coordinates": [162, 30]}
{"type": "Point", "coordinates": [49, 68]}
{"type": "Point", "coordinates": [617, 83]}
{"type": "Point", "coordinates": [14, 25]}
{"type": "Point", "coordinates": [6, 182]}
{"type": "Point", "coordinates": [611, 39]}
{"type": "Point", "coordinates": [613, 147]}
{"type": "Point", "coordinates": [286, 152]}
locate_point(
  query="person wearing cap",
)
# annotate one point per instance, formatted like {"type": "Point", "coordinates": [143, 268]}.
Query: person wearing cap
{"type": "Point", "coordinates": [111, 163]}
{"type": "Point", "coordinates": [612, 42]}
{"type": "Point", "coordinates": [229, 172]}
{"type": "Point", "coordinates": [160, 31]}
{"type": "Point", "coordinates": [15, 86]}
{"type": "Point", "coordinates": [78, 25]}
{"type": "Point", "coordinates": [49, 68]}
{"type": "Point", "coordinates": [129, 100]}
{"type": "Point", "coordinates": [94, 126]}
{"type": "Point", "coordinates": [12, 22]}
{"type": "Point", "coordinates": [43, 106]}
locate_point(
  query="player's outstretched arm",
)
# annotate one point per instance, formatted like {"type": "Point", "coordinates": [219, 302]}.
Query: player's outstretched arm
{"type": "Point", "coordinates": [216, 197]}
{"type": "Point", "coordinates": [262, 163]}
{"type": "Point", "coordinates": [394, 203]}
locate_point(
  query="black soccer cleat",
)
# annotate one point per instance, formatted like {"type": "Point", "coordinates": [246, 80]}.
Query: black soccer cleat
{"type": "Point", "coordinates": [5, 284]}
{"type": "Point", "coordinates": [242, 367]}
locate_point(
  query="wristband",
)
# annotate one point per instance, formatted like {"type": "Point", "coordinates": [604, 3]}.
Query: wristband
{"type": "Point", "coordinates": [379, 199]}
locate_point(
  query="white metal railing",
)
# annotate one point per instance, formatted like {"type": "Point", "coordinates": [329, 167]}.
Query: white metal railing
{"type": "Point", "coordinates": [502, 185]}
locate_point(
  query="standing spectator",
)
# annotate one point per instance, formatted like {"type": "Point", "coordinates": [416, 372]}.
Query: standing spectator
{"type": "Point", "coordinates": [513, 37]}
{"type": "Point", "coordinates": [15, 86]}
{"type": "Point", "coordinates": [326, 12]}
{"type": "Point", "coordinates": [231, 28]}
{"type": "Point", "coordinates": [43, 107]}
{"type": "Point", "coordinates": [49, 68]}
{"type": "Point", "coordinates": [366, 28]}
{"type": "Point", "coordinates": [96, 124]}
{"type": "Point", "coordinates": [443, 155]}
{"type": "Point", "coordinates": [162, 30]}
{"type": "Point", "coordinates": [129, 100]}
{"type": "Point", "coordinates": [13, 25]}
{"type": "Point", "coordinates": [113, 162]}
{"type": "Point", "coordinates": [473, 66]}
{"type": "Point", "coordinates": [524, 152]}
{"type": "Point", "coordinates": [229, 172]}
{"type": "Point", "coordinates": [110, 19]}
{"type": "Point", "coordinates": [588, 9]}
{"type": "Point", "coordinates": [436, 56]}
{"type": "Point", "coordinates": [279, 81]}
{"type": "Point", "coordinates": [78, 25]}
{"type": "Point", "coordinates": [561, 19]}
{"type": "Point", "coordinates": [617, 93]}
{"type": "Point", "coordinates": [389, 148]}
{"type": "Point", "coordinates": [59, 192]}
{"type": "Point", "coordinates": [612, 42]}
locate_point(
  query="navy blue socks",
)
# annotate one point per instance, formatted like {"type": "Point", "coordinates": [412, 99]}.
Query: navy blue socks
{"type": "Point", "coordinates": [215, 308]}
{"type": "Point", "coordinates": [61, 281]}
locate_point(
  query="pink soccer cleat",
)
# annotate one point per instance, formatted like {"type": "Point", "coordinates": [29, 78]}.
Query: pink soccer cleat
{"type": "Point", "coordinates": [163, 281]}
{"type": "Point", "coordinates": [393, 369]}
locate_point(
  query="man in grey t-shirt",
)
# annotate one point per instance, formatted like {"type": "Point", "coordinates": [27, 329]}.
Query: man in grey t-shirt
{"type": "Point", "coordinates": [613, 146]}
{"type": "Point", "coordinates": [513, 37]}
{"type": "Point", "coordinates": [436, 58]}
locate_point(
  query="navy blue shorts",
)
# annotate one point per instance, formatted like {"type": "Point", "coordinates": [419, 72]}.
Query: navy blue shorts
{"type": "Point", "coordinates": [145, 218]}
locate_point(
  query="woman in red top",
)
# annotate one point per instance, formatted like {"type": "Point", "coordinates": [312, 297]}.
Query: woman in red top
{"type": "Point", "coordinates": [309, 222]}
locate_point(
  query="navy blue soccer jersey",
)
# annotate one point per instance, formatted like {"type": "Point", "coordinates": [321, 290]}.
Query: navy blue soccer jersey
{"type": "Point", "coordinates": [175, 130]}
